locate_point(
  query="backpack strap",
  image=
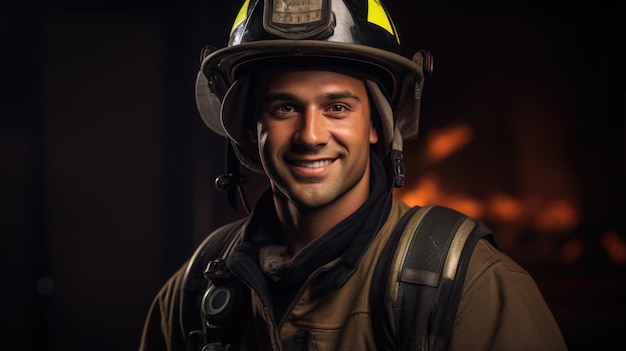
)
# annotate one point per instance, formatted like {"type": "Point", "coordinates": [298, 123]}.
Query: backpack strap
{"type": "Point", "coordinates": [423, 264]}
{"type": "Point", "coordinates": [219, 244]}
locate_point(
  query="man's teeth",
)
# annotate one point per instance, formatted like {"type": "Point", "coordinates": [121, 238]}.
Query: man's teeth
{"type": "Point", "coordinates": [314, 164]}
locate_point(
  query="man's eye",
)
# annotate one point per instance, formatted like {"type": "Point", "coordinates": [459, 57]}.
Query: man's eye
{"type": "Point", "coordinates": [337, 108]}
{"type": "Point", "coordinates": [285, 108]}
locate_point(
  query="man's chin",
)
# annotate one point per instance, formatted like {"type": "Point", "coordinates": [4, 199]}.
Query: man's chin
{"type": "Point", "coordinates": [311, 198]}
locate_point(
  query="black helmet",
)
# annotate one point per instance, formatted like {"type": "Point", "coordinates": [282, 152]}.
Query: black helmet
{"type": "Point", "coordinates": [346, 35]}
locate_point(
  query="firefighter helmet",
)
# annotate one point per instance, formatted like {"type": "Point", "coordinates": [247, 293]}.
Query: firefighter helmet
{"type": "Point", "coordinates": [355, 36]}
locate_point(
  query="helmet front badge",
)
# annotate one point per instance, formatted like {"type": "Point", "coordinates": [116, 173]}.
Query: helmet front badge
{"type": "Point", "coordinates": [298, 19]}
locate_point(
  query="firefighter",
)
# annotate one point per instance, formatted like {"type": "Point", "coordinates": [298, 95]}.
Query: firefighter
{"type": "Point", "coordinates": [316, 95]}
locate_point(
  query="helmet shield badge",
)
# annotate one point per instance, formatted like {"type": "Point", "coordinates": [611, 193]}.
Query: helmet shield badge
{"type": "Point", "coordinates": [298, 19]}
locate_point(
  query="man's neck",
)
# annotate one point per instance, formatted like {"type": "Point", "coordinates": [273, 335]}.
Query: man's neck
{"type": "Point", "coordinates": [301, 225]}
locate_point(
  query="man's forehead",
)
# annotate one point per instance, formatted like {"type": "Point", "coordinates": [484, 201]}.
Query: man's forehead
{"type": "Point", "coordinates": [322, 82]}
{"type": "Point", "coordinates": [273, 73]}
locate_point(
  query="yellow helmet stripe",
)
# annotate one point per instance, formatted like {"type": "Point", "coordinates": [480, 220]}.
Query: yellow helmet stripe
{"type": "Point", "coordinates": [377, 15]}
{"type": "Point", "coordinates": [241, 16]}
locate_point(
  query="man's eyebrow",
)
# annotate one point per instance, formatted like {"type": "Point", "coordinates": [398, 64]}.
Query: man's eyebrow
{"type": "Point", "coordinates": [292, 97]}
{"type": "Point", "coordinates": [341, 95]}
{"type": "Point", "coordinates": [279, 96]}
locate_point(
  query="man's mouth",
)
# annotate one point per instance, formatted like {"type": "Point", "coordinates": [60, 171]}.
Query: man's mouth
{"type": "Point", "coordinates": [313, 164]}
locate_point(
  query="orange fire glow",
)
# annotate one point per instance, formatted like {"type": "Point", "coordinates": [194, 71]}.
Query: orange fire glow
{"type": "Point", "coordinates": [548, 216]}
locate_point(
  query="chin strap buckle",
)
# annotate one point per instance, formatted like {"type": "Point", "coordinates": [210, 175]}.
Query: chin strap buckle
{"type": "Point", "coordinates": [399, 172]}
{"type": "Point", "coordinates": [231, 182]}
{"type": "Point", "coordinates": [225, 182]}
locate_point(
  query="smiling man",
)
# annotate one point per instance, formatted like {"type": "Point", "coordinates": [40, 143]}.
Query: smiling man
{"type": "Point", "coordinates": [315, 95]}
{"type": "Point", "coordinates": [314, 134]}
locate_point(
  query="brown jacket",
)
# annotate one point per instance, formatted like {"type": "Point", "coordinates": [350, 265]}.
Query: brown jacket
{"type": "Point", "coordinates": [501, 309]}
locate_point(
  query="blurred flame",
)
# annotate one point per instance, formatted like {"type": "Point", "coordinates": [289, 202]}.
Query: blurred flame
{"type": "Point", "coordinates": [442, 143]}
{"type": "Point", "coordinates": [505, 207]}
{"type": "Point", "coordinates": [556, 215]}
{"type": "Point", "coordinates": [614, 246]}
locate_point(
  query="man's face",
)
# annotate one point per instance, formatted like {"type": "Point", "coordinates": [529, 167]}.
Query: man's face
{"type": "Point", "coordinates": [314, 133]}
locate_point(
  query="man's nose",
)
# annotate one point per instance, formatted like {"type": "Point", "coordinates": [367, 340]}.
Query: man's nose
{"type": "Point", "coordinates": [312, 128]}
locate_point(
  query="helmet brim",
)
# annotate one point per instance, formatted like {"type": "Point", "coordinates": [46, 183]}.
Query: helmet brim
{"type": "Point", "coordinates": [234, 61]}
{"type": "Point", "coordinates": [222, 89]}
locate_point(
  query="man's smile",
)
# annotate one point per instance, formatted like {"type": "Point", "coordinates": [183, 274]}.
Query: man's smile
{"type": "Point", "coordinates": [312, 164]}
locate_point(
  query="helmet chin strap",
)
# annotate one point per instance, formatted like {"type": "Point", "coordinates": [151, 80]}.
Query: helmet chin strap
{"type": "Point", "coordinates": [397, 159]}
{"type": "Point", "coordinates": [392, 136]}
{"type": "Point", "coordinates": [232, 181]}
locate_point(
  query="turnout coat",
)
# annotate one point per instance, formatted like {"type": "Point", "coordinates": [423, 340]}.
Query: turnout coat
{"type": "Point", "coordinates": [501, 307]}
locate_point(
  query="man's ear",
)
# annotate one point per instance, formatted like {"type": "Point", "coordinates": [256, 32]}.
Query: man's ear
{"type": "Point", "coordinates": [373, 133]}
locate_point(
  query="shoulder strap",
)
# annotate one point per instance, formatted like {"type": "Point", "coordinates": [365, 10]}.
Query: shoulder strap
{"type": "Point", "coordinates": [423, 265]}
{"type": "Point", "coordinates": [218, 244]}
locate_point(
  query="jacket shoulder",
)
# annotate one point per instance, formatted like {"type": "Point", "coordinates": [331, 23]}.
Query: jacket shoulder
{"type": "Point", "coordinates": [502, 308]}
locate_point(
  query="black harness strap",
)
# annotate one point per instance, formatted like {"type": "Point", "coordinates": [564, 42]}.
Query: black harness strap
{"type": "Point", "coordinates": [218, 244]}
{"type": "Point", "coordinates": [423, 265]}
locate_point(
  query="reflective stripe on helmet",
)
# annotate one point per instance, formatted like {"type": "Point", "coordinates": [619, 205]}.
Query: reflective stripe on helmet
{"type": "Point", "coordinates": [377, 15]}
{"type": "Point", "coordinates": [241, 16]}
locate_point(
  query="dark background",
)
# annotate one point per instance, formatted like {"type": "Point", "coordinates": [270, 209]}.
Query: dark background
{"type": "Point", "coordinates": [107, 168]}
